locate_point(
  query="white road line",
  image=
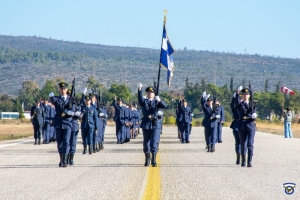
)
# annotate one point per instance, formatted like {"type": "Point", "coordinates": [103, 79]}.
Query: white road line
{"type": "Point", "coordinates": [7, 145]}
{"type": "Point", "coordinates": [143, 188]}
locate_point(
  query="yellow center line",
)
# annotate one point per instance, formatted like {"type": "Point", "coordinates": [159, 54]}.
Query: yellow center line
{"type": "Point", "coordinates": [153, 185]}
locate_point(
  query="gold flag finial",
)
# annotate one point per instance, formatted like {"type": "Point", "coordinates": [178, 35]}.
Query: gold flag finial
{"type": "Point", "coordinates": [165, 17]}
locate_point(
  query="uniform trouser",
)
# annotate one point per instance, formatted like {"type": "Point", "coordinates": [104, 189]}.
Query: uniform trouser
{"type": "Point", "coordinates": [100, 130]}
{"type": "Point", "coordinates": [219, 132]}
{"type": "Point", "coordinates": [37, 131]}
{"type": "Point", "coordinates": [210, 135]}
{"type": "Point", "coordinates": [121, 132]}
{"type": "Point", "coordinates": [237, 141]}
{"type": "Point", "coordinates": [151, 140]}
{"type": "Point", "coordinates": [103, 132]}
{"type": "Point", "coordinates": [47, 132]}
{"type": "Point", "coordinates": [118, 125]}
{"type": "Point", "coordinates": [73, 141]}
{"type": "Point", "coordinates": [63, 139]}
{"type": "Point", "coordinates": [247, 141]}
{"type": "Point", "coordinates": [52, 132]}
{"type": "Point", "coordinates": [185, 130]}
{"type": "Point", "coordinates": [127, 132]}
{"type": "Point", "coordinates": [87, 136]}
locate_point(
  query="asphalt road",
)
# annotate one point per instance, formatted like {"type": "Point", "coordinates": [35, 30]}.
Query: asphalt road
{"type": "Point", "coordinates": [185, 171]}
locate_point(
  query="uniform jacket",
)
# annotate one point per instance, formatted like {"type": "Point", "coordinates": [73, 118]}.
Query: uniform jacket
{"type": "Point", "coordinates": [89, 118]}
{"type": "Point", "coordinates": [61, 119]}
{"type": "Point", "coordinates": [185, 113]}
{"type": "Point", "coordinates": [209, 115]}
{"type": "Point", "coordinates": [149, 109]}
{"type": "Point", "coordinates": [38, 115]}
{"type": "Point", "coordinates": [246, 123]}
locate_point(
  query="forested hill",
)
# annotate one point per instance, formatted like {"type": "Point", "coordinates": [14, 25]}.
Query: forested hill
{"type": "Point", "coordinates": [38, 59]}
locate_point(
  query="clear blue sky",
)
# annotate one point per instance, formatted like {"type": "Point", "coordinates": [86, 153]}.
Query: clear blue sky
{"type": "Point", "coordinates": [266, 27]}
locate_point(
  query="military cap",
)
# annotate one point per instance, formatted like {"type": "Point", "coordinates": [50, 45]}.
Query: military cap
{"type": "Point", "coordinates": [183, 100]}
{"type": "Point", "coordinates": [63, 85]}
{"type": "Point", "coordinates": [69, 91]}
{"type": "Point", "coordinates": [37, 101]}
{"type": "Point", "coordinates": [150, 89]}
{"type": "Point", "coordinates": [91, 94]}
{"type": "Point", "coordinates": [119, 99]}
{"type": "Point", "coordinates": [245, 91]}
{"type": "Point", "coordinates": [209, 99]}
{"type": "Point", "coordinates": [87, 97]}
{"type": "Point", "coordinates": [217, 100]}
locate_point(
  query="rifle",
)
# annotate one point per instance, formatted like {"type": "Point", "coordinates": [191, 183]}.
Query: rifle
{"type": "Point", "coordinates": [72, 95]}
{"type": "Point", "coordinates": [251, 98]}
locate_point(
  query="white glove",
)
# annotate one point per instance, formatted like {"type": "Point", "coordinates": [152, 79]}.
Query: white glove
{"type": "Point", "coordinates": [106, 115]}
{"type": "Point", "coordinates": [70, 112]}
{"type": "Point", "coordinates": [234, 95]}
{"type": "Point", "coordinates": [159, 113]}
{"type": "Point", "coordinates": [218, 116]}
{"type": "Point", "coordinates": [51, 94]}
{"type": "Point", "coordinates": [254, 116]}
{"type": "Point", "coordinates": [140, 85]}
{"type": "Point", "coordinates": [77, 113]}
{"type": "Point", "coordinates": [240, 88]}
{"type": "Point", "coordinates": [157, 98]}
{"type": "Point", "coordinates": [207, 96]}
{"type": "Point", "coordinates": [192, 114]}
{"type": "Point", "coordinates": [101, 114]}
{"type": "Point", "coordinates": [204, 94]}
{"type": "Point", "coordinates": [84, 90]}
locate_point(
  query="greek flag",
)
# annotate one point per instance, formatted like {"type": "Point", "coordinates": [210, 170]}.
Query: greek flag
{"type": "Point", "coordinates": [166, 58]}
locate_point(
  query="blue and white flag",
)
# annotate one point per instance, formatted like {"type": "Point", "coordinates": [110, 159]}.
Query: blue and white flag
{"type": "Point", "coordinates": [166, 58]}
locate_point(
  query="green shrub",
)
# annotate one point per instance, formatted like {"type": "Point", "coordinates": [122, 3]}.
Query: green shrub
{"type": "Point", "coordinates": [197, 122]}
{"type": "Point", "coordinates": [169, 120]}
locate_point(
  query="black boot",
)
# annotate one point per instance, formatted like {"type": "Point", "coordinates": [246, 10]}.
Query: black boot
{"type": "Point", "coordinates": [147, 159]}
{"type": "Point", "coordinates": [212, 148]}
{"type": "Point", "coordinates": [101, 145]}
{"type": "Point", "coordinates": [64, 160]}
{"type": "Point", "coordinates": [60, 159]}
{"type": "Point", "coordinates": [71, 162]}
{"type": "Point", "coordinates": [243, 160]}
{"type": "Point", "coordinates": [90, 150]}
{"type": "Point", "coordinates": [68, 158]}
{"type": "Point", "coordinates": [238, 157]}
{"type": "Point", "coordinates": [153, 162]}
{"type": "Point", "coordinates": [39, 142]}
{"type": "Point", "coordinates": [94, 148]}
{"type": "Point", "coordinates": [249, 160]}
{"type": "Point", "coordinates": [35, 143]}
{"type": "Point", "coordinates": [84, 149]}
{"type": "Point", "coordinates": [208, 147]}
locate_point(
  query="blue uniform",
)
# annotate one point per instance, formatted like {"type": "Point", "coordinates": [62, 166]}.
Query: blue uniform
{"type": "Point", "coordinates": [74, 130]}
{"type": "Point", "coordinates": [185, 120]}
{"type": "Point", "coordinates": [210, 124]}
{"type": "Point", "coordinates": [102, 124]}
{"type": "Point", "coordinates": [128, 121]}
{"type": "Point", "coordinates": [89, 124]}
{"type": "Point", "coordinates": [219, 124]}
{"type": "Point", "coordinates": [62, 123]}
{"type": "Point", "coordinates": [234, 125]}
{"type": "Point", "coordinates": [52, 130]}
{"type": "Point", "coordinates": [46, 135]}
{"type": "Point", "coordinates": [119, 118]}
{"type": "Point", "coordinates": [38, 120]}
{"type": "Point", "coordinates": [246, 127]}
{"type": "Point", "coordinates": [151, 123]}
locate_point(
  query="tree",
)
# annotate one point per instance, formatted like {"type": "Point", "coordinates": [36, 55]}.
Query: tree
{"type": "Point", "coordinates": [231, 85]}
{"type": "Point", "coordinates": [267, 85]}
{"type": "Point", "coordinates": [93, 84]}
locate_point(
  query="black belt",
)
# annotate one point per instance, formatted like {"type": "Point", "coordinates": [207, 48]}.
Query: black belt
{"type": "Point", "coordinates": [245, 118]}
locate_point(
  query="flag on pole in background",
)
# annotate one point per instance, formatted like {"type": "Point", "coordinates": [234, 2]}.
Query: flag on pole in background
{"type": "Point", "coordinates": [166, 58]}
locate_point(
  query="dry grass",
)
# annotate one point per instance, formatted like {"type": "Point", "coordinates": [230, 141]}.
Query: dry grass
{"type": "Point", "coordinates": [15, 131]}
{"type": "Point", "coordinates": [277, 128]}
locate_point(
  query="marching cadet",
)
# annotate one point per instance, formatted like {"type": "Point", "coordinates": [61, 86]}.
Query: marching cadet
{"type": "Point", "coordinates": [178, 115]}
{"type": "Point", "coordinates": [74, 132]}
{"type": "Point", "coordinates": [247, 127]}
{"type": "Point", "coordinates": [234, 125]}
{"type": "Point", "coordinates": [210, 121]}
{"type": "Point", "coordinates": [119, 119]}
{"type": "Point", "coordinates": [38, 120]}
{"type": "Point", "coordinates": [47, 112]}
{"type": "Point", "coordinates": [185, 120]}
{"type": "Point", "coordinates": [62, 122]}
{"type": "Point", "coordinates": [151, 123]}
{"type": "Point", "coordinates": [103, 119]}
{"type": "Point", "coordinates": [52, 129]}
{"type": "Point", "coordinates": [127, 118]}
{"type": "Point", "coordinates": [220, 121]}
{"type": "Point", "coordinates": [89, 124]}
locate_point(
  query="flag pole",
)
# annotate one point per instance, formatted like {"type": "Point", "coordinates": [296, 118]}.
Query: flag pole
{"type": "Point", "coordinates": [159, 66]}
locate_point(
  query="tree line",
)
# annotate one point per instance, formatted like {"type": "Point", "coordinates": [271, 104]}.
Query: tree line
{"type": "Point", "coordinates": [266, 101]}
